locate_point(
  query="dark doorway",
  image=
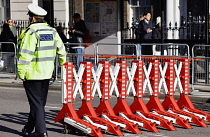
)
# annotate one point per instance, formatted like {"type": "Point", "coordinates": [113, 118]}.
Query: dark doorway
{"type": "Point", "coordinates": [48, 5]}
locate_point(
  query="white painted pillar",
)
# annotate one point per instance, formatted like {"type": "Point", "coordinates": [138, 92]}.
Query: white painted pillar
{"type": "Point", "coordinates": [177, 18]}
{"type": "Point", "coordinates": [170, 20]}
{"type": "Point", "coordinates": [130, 24]}
{"type": "Point", "coordinates": [177, 21]}
{"type": "Point", "coordinates": [209, 7]}
{"type": "Point", "coordinates": [169, 16]}
{"type": "Point", "coordinates": [119, 33]}
{"type": "Point", "coordinates": [67, 13]}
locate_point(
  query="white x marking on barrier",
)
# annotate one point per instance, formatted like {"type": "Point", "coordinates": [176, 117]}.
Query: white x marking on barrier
{"type": "Point", "coordinates": [86, 118]}
{"type": "Point", "coordinates": [96, 77]}
{"type": "Point", "coordinates": [78, 78]}
{"type": "Point", "coordinates": [114, 122]}
{"type": "Point", "coordinates": [162, 79]}
{"type": "Point", "coordinates": [177, 81]}
{"type": "Point", "coordinates": [133, 121]}
{"type": "Point", "coordinates": [147, 81]}
{"type": "Point", "coordinates": [163, 116]}
{"type": "Point", "coordinates": [114, 75]}
{"type": "Point", "coordinates": [130, 84]}
{"type": "Point", "coordinates": [152, 120]}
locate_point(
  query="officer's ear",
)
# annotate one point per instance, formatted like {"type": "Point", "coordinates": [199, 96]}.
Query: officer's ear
{"type": "Point", "coordinates": [32, 19]}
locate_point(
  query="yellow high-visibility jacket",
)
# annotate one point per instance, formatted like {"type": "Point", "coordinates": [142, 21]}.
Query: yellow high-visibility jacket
{"type": "Point", "coordinates": [20, 38]}
{"type": "Point", "coordinates": [37, 52]}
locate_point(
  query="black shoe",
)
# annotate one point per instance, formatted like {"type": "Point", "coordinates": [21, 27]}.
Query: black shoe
{"type": "Point", "coordinates": [25, 132]}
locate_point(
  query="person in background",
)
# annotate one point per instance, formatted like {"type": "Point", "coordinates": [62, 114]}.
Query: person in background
{"type": "Point", "coordinates": [7, 36]}
{"type": "Point", "coordinates": [8, 58]}
{"type": "Point", "coordinates": [138, 30]}
{"type": "Point", "coordinates": [78, 34]}
{"type": "Point", "coordinates": [157, 31]}
{"type": "Point", "coordinates": [146, 33]}
{"type": "Point", "coordinates": [38, 48]}
{"type": "Point", "coordinates": [156, 34]}
{"type": "Point", "coordinates": [141, 17]}
{"type": "Point", "coordinates": [64, 39]}
{"type": "Point", "coordinates": [146, 26]}
{"type": "Point", "coordinates": [61, 34]}
{"type": "Point", "coordinates": [12, 27]}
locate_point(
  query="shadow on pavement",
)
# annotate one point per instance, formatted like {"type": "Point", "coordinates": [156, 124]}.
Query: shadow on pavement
{"type": "Point", "coordinates": [19, 119]}
{"type": "Point", "coordinates": [9, 130]}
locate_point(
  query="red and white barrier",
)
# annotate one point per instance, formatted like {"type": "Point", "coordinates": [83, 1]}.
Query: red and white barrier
{"type": "Point", "coordinates": [152, 76]}
{"type": "Point", "coordinates": [105, 109]}
{"type": "Point", "coordinates": [184, 101]}
{"type": "Point", "coordinates": [169, 103]}
{"type": "Point", "coordinates": [138, 105]}
{"type": "Point", "coordinates": [68, 116]}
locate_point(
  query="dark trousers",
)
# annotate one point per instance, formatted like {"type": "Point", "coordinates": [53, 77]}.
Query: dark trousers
{"type": "Point", "coordinates": [36, 91]}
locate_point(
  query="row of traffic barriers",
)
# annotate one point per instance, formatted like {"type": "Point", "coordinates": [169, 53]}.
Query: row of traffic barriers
{"type": "Point", "coordinates": [148, 74]}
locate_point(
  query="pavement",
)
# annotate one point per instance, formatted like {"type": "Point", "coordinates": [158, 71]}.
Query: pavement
{"type": "Point", "coordinates": [199, 93]}
{"type": "Point", "coordinates": [13, 119]}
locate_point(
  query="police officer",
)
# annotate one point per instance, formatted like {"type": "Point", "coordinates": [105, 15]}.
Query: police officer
{"type": "Point", "coordinates": [36, 56]}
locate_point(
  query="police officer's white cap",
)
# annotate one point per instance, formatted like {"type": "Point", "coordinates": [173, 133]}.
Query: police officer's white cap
{"type": "Point", "coordinates": [36, 10]}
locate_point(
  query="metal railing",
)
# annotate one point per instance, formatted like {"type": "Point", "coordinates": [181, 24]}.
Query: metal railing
{"type": "Point", "coordinates": [201, 64]}
{"type": "Point", "coordinates": [169, 49]}
{"type": "Point", "coordinates": [8, 60]}
{"type": "Point", "coordinates": [71, 52]}
{"type": "Point", "coordinates": [120, 52]}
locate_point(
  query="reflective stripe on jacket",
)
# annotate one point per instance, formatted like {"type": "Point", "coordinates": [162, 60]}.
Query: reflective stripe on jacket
{"type": "Point", "coordinates": [37, 52]}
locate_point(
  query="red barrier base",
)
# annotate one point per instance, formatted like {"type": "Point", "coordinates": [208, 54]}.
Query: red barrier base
{"type": "Point", "coordinates": [88, 110]}
{"type": "Point", "coordinates": [139, 105]}
{"type": "Point", "coordinates": [105, 108]}
{"type": "Point", "coordinates": [170, 103]}
{"type": "Point", "coordinates": [68, 111]}
{"type": "Point", "coordinates": [122, 107]}
{"type": "Point", "coordinates": [185, 102]}
{"type": "Point", "coordinates": [154, 104]}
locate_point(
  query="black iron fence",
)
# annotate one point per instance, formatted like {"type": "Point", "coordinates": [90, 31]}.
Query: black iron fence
{"type": "Point", "coordinates": [22, 24]}
{"type": "Point", "coordinates": [192, 27]}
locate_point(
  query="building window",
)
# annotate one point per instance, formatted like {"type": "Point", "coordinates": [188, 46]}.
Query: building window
{"type": "Point", "coordinates": [140, 2]}
{"type": "Point", "coordinates": [4, 9]}
{"type": "Point", "coordinates": [140, 6]}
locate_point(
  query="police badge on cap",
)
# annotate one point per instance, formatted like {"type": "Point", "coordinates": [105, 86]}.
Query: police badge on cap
{"type": "Point", "coordinates": [35, 10]}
